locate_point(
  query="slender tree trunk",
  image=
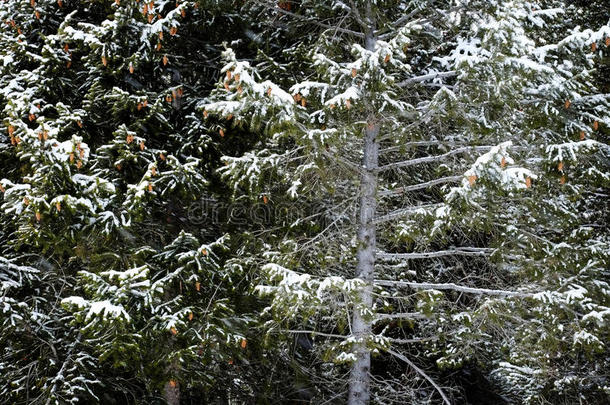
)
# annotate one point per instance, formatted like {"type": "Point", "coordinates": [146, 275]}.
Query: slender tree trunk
{"type": "Point", "coordinates": [171, 389]}
{"type": "Point", "coordinates": [171, 393]}
{"type": "Point", "coordinates": [361, 327]}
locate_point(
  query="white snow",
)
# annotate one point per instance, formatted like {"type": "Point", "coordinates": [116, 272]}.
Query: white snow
{"type": "Point", "coordinates": [106, 308]}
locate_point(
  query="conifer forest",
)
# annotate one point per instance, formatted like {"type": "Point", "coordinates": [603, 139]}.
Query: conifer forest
{"type": "Point", "coordinates": [235, 202]}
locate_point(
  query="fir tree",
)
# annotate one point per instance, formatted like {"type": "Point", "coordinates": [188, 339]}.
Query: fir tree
{"type": "Point", "coordinates": [383, 116]}
{"type": "Point", "coordinates": [110, 292]}
{"type": "Point", "coordinates": [429, 183]}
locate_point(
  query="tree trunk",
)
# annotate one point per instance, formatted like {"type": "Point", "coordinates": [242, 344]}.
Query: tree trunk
{"type": "Point", "coordinates": [171, 393]}
{"type": "Point", "coordinates": [361, 327]}
{"type": "Point", "coordinates": [171, 389]}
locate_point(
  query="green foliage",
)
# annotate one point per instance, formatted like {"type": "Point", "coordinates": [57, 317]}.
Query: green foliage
{"type": "Point", "coordinates": [112, 290]}
{"type": "Point", "coordinates": [121, 117]}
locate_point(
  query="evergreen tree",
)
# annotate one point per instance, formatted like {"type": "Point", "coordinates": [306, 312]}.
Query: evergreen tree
{"type": "Point", "coordinates": [424, 187]}
{"type": "Point", "coordinates": [378, 120]}
{"type": "Point", "coordinates": [109, 293]}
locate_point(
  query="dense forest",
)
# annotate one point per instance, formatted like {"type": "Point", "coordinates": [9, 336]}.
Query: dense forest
{"type": "Point", "coordinates": [305, 201]}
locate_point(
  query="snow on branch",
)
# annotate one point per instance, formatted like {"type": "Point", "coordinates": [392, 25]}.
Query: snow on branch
{"type": "Point", "coordinates": [292, 291]}
{"type": "Point", "coordinates": [104, 308]}
{"type": "Point", "coordinates": [577, 38]}
{"type": "Point", "coordinates": [430, 76]}
{"type": "Point", "coordinates": [464, 251]}
{"type": "Point", "coordinates": [558, 152]}
{"type": "Point", "coordinates": [452, 287]}
{"type": "Point", "coordinates": [406, 211]}
{"type": "Point", "coordinates": [13, 276]}
{"type": "Point", "coordinates": [428, 159]}
{"type": "Point", "coordinates": [492, 168]}
{"type": "Point", "coordinates": [247, 98]}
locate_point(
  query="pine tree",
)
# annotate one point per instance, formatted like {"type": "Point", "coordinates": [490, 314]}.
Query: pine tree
{"type": "Point", "coordinates": [379, 120]}
{"type": "Point", "coordinates": [108, 291]}
{"type": "Point", "coordinates": [427, 184]}
{"type": "Point", "coordinates": [565, 361]}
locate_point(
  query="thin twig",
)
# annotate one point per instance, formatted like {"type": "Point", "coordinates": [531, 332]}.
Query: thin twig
{"type": "Point", "coordinates": [402, 190]}
{"type": "Point", "coordinates": [318, 23]}
{"type": "Point", "coordinates": [423, 374]}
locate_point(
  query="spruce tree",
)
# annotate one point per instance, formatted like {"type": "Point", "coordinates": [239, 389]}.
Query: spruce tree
{"type": "Point", "coordinates": [425, 188]}
{"type": "Point", "coordinates": [375, 125]}
{"type": "Point", "coordinates": [110, 294]}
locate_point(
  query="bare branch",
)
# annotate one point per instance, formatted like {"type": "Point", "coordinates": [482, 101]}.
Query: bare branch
{"type": "Point", "coordinates": [400, 315]}
{"type": "Point", "coordinates": [423, 78]}
{"type": "Point", "coordinates": [428, 159]}
{"type": "Point", "coordinates": [402, 190]}
{"type": "Point", "coordinates": [453, 287]}
{"type": "Point", "coordinates": [405, 211]}
{"type": "Point", "coordinates": [357, 16]}
{"type": "Point", "coordinates": [449, 86]}
{"type": "Point", "coordinates": [336, 157]}
{"type": "Point", "coordinates": [408, 145]}
{"type": "Point", "coordinates": [313, 332]}
{"type": "Point", "coordinates": [409, 341]}
{"type": "Point", "coordinates": [462, 251]}
{"type": "Point", "coordinates": [401, 21]}
{"type": "Point", "coordinates": [423, 374]}
{"type": "Point", "coordinates": [318, 23]}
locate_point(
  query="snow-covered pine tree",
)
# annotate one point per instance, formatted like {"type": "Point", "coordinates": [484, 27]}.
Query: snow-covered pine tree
{"type": "Point", "coordinates": [107, 291]}
{"type": "Point", "coordinates": [561, 360]}
{"type": "Point", "coordinates": [395, 103]}
{"type": "Point", "coordinates": [42, 358]}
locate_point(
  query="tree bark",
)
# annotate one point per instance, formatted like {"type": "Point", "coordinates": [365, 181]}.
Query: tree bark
{"type": "Point", "coordinates": [359, 383]}
{"type": "Point", "coordinates": [171, 393]}
{"type": "Point", "coordinates": [171, 389]}
{"type": "Point", "coordinates": [360, 377]}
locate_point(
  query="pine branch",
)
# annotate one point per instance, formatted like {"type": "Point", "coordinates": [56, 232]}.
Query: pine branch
{"type": "Point", "coordinates": [453, 287]}
{"type": "Point", "coordinates": [428, 159]}
{"type": "Point", "coordinates": [400, 315]}
{"type": "Point", "coordinates": [313, 332]}
{"type": "Point", "coordinates": [402, 190]}
{"type": "Point", "coordinates": [408, 145]}
{"type": "Point", "coordinates": [423, 78]}
{"type": "Point", "coordinates": [462, 251]}
{"type": "Point", "coordinates": [409, 341]}
{"type": "Point", "coordinates": [405, 211]}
